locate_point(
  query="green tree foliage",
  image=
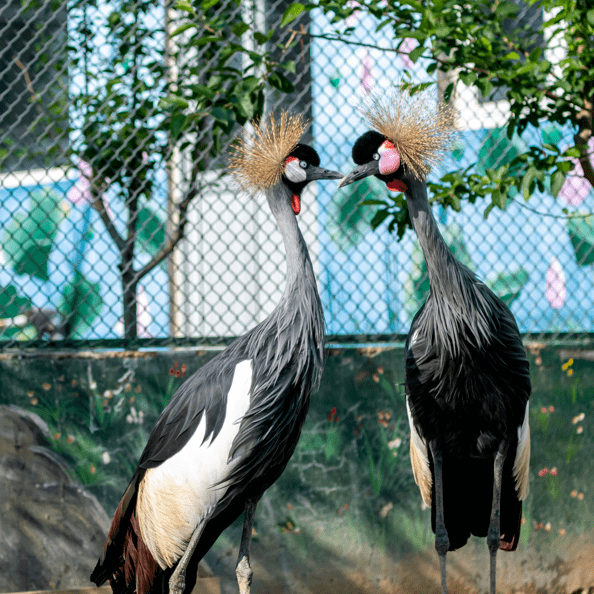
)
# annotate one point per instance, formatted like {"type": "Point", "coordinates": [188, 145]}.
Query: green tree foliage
{"type": "Point", "coordinates": [149, 79]}
{"type": "Point", "coordinates": [481, 45]}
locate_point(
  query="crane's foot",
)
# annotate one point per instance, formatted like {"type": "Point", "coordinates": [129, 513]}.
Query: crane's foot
{"type": "Point", "coordinates": [244, 574]}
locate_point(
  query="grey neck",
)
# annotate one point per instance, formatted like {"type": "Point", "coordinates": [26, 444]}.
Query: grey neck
{"type": "Point", "coordinates": [299, 269]}
{"type": "Point", "coordinates": [438, 256]}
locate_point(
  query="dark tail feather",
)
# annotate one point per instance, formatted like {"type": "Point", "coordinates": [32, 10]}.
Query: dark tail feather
{"type": "Point", "coordinates": [511, 510]}
{"type": "Point", "coordinates": [125, 560]}
{"type": "Point", "coordinates": [468, 496]}
{"type": "Point", "coordinates": [111, 557]}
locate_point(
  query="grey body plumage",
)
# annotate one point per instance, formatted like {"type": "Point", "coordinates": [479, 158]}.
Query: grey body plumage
{"type": "Point", "coordinates": [467, 378]}
{"type": "Point", "coordinates": [279, 362]}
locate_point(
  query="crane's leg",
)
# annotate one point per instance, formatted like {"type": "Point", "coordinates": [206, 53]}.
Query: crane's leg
{"type": "Point", "coordinates": [177, 581]}
{"type": "Point", "coordinates": [243, 571]}
{"type": "Point", "coordinates": [442, 541]}
{"type": "Point", "coordinates": [494, 533]}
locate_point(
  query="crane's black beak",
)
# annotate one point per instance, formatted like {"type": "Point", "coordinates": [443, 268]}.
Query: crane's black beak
{"type": "Point", "coordinates": [359, 172]}
{"type": "Point", "coordinates": [314, 172]}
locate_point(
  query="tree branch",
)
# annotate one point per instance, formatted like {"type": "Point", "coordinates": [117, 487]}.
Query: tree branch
{"type": "Point", "coordinates": [99, 205]}
{"type": "Point", "coordinates": [585, 120]}
{"type": "Point", "coordinates": [174, 239]}
{"type": "Point", "coordinates": [443, 61]}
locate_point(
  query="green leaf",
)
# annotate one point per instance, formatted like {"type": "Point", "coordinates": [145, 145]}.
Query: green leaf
{"type": "Point", "coordinates": [240, 28]}
{"type": "Point", "coordinates": [261, 38]}
{"type": "Point", "coordinates": [379, 217]}
{"type": "Point", "coordinates": [581, 234]}
{"type": "Point", "coordinates": [527, 68]}
{"type": "Point", "coordinates": [29, 238]}
{"type": "Point", "coordinates": [534, 55]}
{"type": "Point", "coordinates": [184, 5]}
{"type": "Point", "coordinates": [557, 181]}
{"type": "Point", "coordinates": [183, 28]}
{"type": "Point", "coordinates": [528, 182]}
{"type": "Point", "coordinates": [508, 285]}
{"type": "Point", "coordinates": [81, 303]}
{"type": "Point", "coordinates": [281, 82]}
{"type": "Point", "coordinates": [511, 56]}
{"type": "Point", "coordinates": [467, 78]}
{"type": "Point", "coordinates": [506, 9]}
{"type": "Point", "coordinates": [177, 125]}
{"type": "Point", "coordinates": [415, 54]}
{"type": "Point", "coordinates": [151, 230]}
{"type": "Point", "coordinates": [173, 101]}
{"type": "Point", "coordinates": [12, 304]}
{"type": "Point", "coordinates": [292, 12]}
{"type": "Point", "coordinates": [590, 17]}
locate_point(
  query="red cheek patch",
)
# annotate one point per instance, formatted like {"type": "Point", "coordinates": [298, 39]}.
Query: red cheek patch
{"type": "Point", "coordinates": [397, 186]}
{"type": "Point", "coordinates": [296, 204]}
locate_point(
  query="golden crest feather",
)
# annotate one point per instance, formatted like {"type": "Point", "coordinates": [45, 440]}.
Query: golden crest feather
{"type": "Point", "coordinates": [258, 159]}
{"type": "Point", "coordinates": [420, 128]}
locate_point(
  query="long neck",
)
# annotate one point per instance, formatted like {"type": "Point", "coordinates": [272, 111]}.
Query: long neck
{"type": "Point", "coordinates": [441, 263]}
{"type": "Point", "coordinates": [299, 269]}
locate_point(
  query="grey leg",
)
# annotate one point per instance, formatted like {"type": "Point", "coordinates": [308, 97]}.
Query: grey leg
{"type": "Point", "coordinates": [242, 569]}
{"type": "Point", "coordinates": [177, 581]}
{"type": "Point", "coordinates": [494, 534]}
{"type": "Point", "coordinates": [442, 542]}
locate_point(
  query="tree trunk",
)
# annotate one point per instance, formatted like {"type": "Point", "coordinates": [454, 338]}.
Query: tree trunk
{"type": "Point", "coordinates": [129, 284]}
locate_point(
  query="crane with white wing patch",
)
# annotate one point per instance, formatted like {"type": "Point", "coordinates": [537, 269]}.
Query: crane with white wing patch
{"type": "Point", "coordinates": [229, 431]}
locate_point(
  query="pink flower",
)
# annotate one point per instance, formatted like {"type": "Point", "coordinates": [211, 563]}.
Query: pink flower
{"type": "Point", "coordinates": [543, 472]}
{"type": "Point", "coordinates": [543, 410]}
{"type": "Point", "coordinates": [366, 74]}
{"type": "Point", "coordinates": [81, 191]}
{"type": "Point", "coordinates": [408, 45]}
{"type": "Point", "coordinates": [351, 21]}
{"type": "Point", "coordinates": [555, 290]}
{"type": "Point", "coordinates": [576, 188]}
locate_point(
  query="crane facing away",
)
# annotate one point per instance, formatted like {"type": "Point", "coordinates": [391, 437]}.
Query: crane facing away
{"type": "Point", "coordinates": [467, 378]}
{"type": "Point", "coordinates": [231, 428]}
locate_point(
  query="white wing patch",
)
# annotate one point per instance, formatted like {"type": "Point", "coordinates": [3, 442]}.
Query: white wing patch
{"type": "Point", "coordinates": [176, 496]}
{"type": "Point", "coordinates": [419, 459]}
{"type": "Point", "coordinates": [522, 461]}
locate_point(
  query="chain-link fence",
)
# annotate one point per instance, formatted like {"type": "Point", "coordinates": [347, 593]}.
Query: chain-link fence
{"type": "Point", "coordinates": [86, 246]}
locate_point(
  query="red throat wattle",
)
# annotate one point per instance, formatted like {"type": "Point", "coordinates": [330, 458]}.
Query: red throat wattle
{"type": "Point", "coordinates": [296, 204]}
{"type": "Point", "coordinates": [397, 186]}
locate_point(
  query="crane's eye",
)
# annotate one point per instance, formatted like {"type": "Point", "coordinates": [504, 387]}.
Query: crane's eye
{"type": "Point", "coordinates": [303, 164]}
{"type": "Point", "coordinates": [376, 156]}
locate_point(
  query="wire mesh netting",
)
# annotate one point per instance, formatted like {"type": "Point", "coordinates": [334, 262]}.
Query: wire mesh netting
{"type": "Point", "coordinates": [93, 186]}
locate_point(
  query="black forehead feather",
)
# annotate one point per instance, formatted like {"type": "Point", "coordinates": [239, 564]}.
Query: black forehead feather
{"type": "Point", "coordinates": [304, 152]}
{"type": "Point", "coordinates": [366, 145]}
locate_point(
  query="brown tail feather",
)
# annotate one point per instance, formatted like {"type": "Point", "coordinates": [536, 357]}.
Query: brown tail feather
{"type": "Point", "coordinates": [125, 560]}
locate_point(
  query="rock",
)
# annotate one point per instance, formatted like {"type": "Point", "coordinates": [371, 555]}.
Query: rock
{"type": "Point", "coordinates": [51, 529]}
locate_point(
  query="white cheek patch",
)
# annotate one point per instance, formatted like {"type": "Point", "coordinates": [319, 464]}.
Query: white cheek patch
{"type": "Point", "coordinates": [294, 171]}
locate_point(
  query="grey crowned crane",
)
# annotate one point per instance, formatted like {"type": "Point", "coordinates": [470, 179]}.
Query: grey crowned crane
{"type": "Point", "coordinates": [467, 379]}
{"type": "Point", "coordinates": [229, 431]}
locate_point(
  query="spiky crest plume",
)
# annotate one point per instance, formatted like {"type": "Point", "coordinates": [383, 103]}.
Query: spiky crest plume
{"type": "Point", "coordinates": [421, 129]}
{"type": "Point", "coordinates": [258, 159]}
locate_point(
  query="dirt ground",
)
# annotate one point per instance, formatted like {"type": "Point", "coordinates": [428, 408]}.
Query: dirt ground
{"type": "Point", "coordinates": [569, 569]}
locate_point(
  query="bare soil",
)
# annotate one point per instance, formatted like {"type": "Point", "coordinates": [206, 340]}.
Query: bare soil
{"type": "Point", "coordinates": [567, 568]}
